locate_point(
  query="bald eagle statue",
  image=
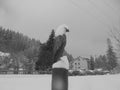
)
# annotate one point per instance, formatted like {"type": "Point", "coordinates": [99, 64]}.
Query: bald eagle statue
{"type": "Point", "coordinates": [52, 50]}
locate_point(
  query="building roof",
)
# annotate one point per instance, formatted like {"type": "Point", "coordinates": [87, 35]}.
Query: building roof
{"type": "Point", "coordinates": [80, 58]}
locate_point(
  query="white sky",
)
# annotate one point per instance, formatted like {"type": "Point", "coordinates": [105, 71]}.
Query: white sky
{"type": "Point", "coordinates": [89, 21]}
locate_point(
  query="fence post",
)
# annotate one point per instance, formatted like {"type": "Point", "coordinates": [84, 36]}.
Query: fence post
{"type": "Point", "coordinates": [60, 74]}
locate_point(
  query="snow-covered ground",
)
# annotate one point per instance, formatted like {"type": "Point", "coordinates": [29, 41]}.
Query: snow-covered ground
{"type": "Point", "coordinates": [43, 82]}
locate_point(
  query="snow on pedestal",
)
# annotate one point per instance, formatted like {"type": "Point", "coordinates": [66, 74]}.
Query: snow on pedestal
{"type": "Point", "coordinates": [62, 63]}
{"type": "Point", "coordinates": [60, 74]}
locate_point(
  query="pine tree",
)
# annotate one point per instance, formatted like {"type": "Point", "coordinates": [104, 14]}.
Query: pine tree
{"type": "Point", "coordinates": [50, 42]}
{"type": "Point", "coordinates": [50, 46]}
{"type": "Point", "coordinates": [45, 58]}
{"type": "Point", "coordinates": [92, 63]}
{"type": "Point", "coordinates": [111, 56]}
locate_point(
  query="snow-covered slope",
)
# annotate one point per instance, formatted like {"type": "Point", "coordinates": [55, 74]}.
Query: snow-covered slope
{"type": "Point", "coordinates": [43, 82]}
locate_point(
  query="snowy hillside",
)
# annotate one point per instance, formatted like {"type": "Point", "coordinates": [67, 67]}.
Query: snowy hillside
{"type": "Point", "coordinates": [43, 82]}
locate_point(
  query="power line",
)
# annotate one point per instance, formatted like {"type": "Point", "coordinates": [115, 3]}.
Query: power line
{"type": "Point", "coordinates": [108, 4]}
{"type": "Point", "coordinates": [112, 24]}
{"type": "Point", "coordinates": [97, 8]}
{"type": "Point", "coordinates": [92, 2]}
{"type": "Point", "coordinates": [92, 15]}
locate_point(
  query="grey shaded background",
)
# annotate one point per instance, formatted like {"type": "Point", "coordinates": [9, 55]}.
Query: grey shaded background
{"type": "Point", "coordinates": [89, 21]}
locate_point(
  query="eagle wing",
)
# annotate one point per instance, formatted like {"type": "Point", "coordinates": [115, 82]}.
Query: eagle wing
{"type": "Point", "coordinates": [59, 45]}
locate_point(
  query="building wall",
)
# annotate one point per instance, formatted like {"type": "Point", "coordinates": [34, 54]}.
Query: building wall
{"type": "Point", "coordinates": [84, 64]}
{"type": "Point", "coordinates": [80, 63]}
{"type": "Point", "coordinates": [76, 65]}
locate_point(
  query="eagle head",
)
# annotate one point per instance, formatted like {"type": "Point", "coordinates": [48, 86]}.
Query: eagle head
{"type": "Point", "coordinates": [62, 29]}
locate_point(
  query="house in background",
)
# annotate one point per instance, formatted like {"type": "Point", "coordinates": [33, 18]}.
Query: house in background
{"type": "Point", "coordinates": [80, 63]}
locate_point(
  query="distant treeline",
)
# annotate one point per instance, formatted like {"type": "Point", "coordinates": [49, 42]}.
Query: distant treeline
{"type": "Point", "coordinates": [15, 42]}
{"type": "Point", "coordinates": [24, 51]}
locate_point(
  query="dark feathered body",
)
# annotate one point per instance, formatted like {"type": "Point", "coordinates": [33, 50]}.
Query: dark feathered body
{"type": "Point", "coordinates": [59, 45]}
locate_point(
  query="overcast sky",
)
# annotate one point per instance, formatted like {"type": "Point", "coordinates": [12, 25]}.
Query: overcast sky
{"type": "Point", "coordinates": [89, 21]}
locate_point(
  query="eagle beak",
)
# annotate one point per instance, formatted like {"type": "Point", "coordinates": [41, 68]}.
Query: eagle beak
{"type": "Point", "coordinates": [67, 30]}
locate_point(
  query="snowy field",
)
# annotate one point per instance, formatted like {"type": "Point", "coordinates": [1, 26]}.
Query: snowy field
{"type": "Point", "coordinates": [43, 82]}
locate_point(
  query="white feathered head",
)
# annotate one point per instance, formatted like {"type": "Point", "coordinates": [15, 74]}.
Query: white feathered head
{"type": "Point", "coordinates": [62, 29]}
